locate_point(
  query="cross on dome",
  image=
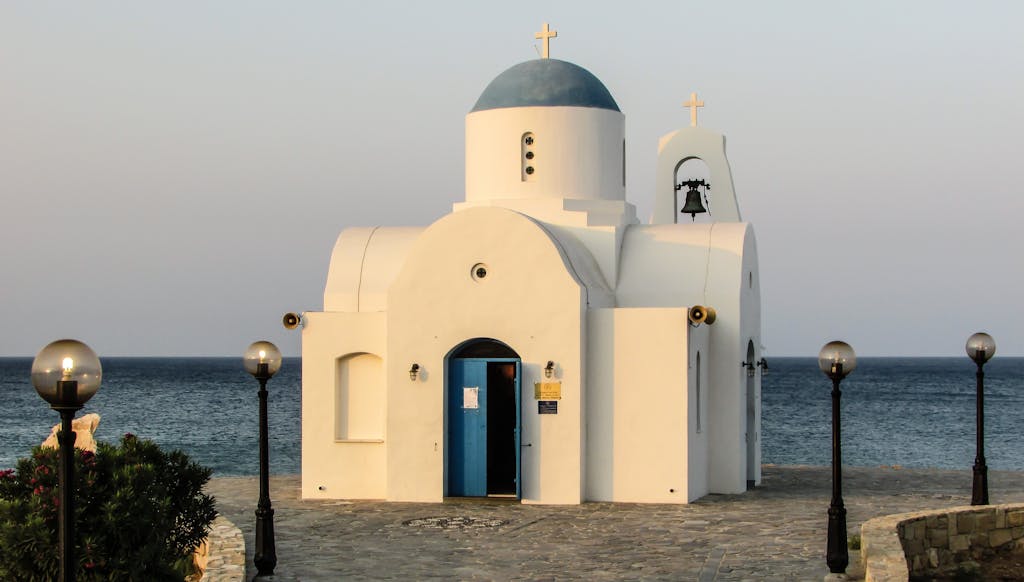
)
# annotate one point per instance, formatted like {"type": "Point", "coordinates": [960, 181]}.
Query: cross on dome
{"type": "Point", "coordinates": [546, 35]}
{"type": "Point", "coordinates": [693, 104]}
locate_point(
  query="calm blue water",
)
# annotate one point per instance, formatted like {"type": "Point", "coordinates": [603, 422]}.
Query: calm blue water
{"type": "Point", "coordinates": [206, 407]}
{"type": "Point", "coordinates": [915, 412]}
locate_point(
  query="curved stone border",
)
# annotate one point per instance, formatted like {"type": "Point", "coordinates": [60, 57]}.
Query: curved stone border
{"type": "Point", "coordinates": [927, 542]}
{"type": "Point", "coordinates": [225, 555]}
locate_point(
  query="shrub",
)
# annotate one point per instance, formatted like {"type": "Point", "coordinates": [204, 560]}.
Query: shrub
{"type": "Point", "coordinates": [139, 513]}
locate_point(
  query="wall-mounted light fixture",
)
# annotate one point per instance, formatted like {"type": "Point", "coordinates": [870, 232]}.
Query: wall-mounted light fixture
{"type": "Point", "coordinates": [751, 368]}
{"type": "Point", "coordinates": [763, 364]}
{"type": "Point", "coordinates": [414, 372]}
{"type": "Point", "coordinates": [549, 369]}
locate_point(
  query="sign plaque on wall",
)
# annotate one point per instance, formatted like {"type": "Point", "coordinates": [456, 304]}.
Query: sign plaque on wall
{"type": "Point", "coordinates": [547, 407]}
{"type": "Point", "coordinates": [547, 390]}
{"type": "Point", "coordinates": [471, 397]}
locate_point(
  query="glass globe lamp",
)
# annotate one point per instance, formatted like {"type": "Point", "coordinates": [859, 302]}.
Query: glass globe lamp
{"type": "Point", "coordinates": [262, 352]}
{"type": "Point", "coordinates": [63, 361]}
{"type": "Point", "coordinates": [981, 347]}
{"type": "Point", "coordinates": [837, 357]}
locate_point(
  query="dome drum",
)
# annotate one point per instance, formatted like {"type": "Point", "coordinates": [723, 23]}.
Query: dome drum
{"type": "Point", "coordinates": [545, 129]}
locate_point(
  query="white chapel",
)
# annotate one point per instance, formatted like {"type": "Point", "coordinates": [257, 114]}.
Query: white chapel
{"type": "Point", "coordinates": [540, 342]}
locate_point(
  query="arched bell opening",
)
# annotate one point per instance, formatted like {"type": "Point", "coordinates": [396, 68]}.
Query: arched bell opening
{"type": "Point", "coordinates": [483, 420]}
{"type": "Point", "coordinates": [692, 184]}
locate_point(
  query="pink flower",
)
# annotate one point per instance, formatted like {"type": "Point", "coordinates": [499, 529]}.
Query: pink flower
{"type": "Point", "coordinates": [7, 474]}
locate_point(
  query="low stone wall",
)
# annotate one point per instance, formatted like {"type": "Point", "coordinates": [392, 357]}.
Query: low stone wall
{"type": "Point", "coordinates": [924, 543]}
{"type": "Point", "coordinates": [224, 559]}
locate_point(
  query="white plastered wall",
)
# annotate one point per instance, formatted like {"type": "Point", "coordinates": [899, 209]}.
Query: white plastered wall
{"type": "Point", "coordinates": [642, 443]}
{"type": "Point", "coordinates": [699, 445]}
{"type": "Point", "coordinates": [332, 467]}
{"type": "Point", "coordinates": [578, 153]}
{"type": "Point", "coordinates": [670, 265]}
{"type": "Point", "coordinates": [750, 331]}
{"type": "Point", "coordinates": [530, 300]}
{"type": "Point", "coordinates": [363, 263]}
{"type": "Point", "coordinates": [684, 144]}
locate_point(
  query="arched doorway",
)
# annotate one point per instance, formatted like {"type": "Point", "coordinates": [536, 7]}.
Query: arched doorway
{"type": "Point", "coordinates": [484, 420]}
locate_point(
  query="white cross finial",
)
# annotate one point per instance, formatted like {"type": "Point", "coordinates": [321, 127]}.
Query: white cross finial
{"type": "Point", "coordinates": [546, 36]}
{"type": "Point", "coordinates": [693, 104]}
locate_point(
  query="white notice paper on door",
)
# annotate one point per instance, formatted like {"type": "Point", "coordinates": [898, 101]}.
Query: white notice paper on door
{"type": "Point", "coordinates": [471, 397]}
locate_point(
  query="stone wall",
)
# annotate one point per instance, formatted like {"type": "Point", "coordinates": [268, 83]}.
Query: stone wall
{"type": "Point", "coordinates": [925, 543]}
{"type": "Point", "coordinates": [224, 558]}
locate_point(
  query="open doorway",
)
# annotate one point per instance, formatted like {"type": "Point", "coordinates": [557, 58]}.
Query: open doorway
{"type": "Point", "coordinates": [484, 421]}
{"type": "Point", "coordinates": [502, 449]}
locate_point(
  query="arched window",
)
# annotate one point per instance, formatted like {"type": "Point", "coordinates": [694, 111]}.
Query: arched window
{"type": "Point", "coordinates": [360, 398]}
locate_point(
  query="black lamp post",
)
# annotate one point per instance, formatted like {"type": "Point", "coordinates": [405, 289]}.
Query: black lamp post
{"type": "Point", "coordinates": [980, 348]}
{"type": "Point", "coordinates": [66, 373]}
{"type": "Point", "coordinates": [263, 360]}
{"type": "Point", "coordinates": [836, 360]}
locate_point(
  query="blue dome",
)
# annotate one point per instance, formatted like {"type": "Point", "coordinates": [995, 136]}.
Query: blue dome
{"type": "Point", "coordinates": [545, 83]}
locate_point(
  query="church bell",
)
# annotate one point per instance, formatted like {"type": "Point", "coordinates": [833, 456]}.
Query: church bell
{"type": "Point", "coordinates": [693, 205]}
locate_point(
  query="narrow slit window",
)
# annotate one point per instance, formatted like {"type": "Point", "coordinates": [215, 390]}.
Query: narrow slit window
{"type": "Point", "coordinates": [697, 384]}
{"type": "Point", "coordinates": [623, 163]}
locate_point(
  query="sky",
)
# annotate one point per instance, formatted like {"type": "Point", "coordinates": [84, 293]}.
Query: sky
{"type": "Point", "coordinates": [173, 175]}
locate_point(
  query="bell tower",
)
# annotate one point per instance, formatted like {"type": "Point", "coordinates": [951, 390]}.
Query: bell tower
{"type": "Point", "coordinates": [672, 198]}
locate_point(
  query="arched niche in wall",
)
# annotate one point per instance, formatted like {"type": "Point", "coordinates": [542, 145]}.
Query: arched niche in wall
{"type": "Point", "coordinates": [359, 397]}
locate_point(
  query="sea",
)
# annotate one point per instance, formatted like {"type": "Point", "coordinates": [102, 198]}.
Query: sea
{"type": "Point", "coordinates": [910, 412]}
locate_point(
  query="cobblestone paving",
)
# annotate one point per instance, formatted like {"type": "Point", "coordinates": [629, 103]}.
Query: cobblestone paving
{"type": "Point", "coordinates": [774, 532]}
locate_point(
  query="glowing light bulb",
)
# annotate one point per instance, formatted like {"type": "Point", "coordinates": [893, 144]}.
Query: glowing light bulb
{"type": "Point", "coordinates": [69, 365]}
{"type": "Point", "coordinates": [263, 356]}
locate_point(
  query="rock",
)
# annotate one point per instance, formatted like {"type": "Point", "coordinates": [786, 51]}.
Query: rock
{"type": "Point", "coordinates": [83, 427]}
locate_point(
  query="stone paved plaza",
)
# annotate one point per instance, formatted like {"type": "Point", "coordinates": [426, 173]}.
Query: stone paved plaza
{"type": "Point", "coordinates": [775, 532]}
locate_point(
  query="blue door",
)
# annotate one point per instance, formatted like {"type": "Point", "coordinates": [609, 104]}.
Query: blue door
{"type": "Point", "coordinates": [484, 427]}
{"type": "Point", "coordinates": [467, 428]}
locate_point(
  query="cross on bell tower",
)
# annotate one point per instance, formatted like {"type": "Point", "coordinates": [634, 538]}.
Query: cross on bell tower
{"type": "Point", "coordinates": [545, 36]}
{"type": "Point", "coordinates": [693, 104]}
